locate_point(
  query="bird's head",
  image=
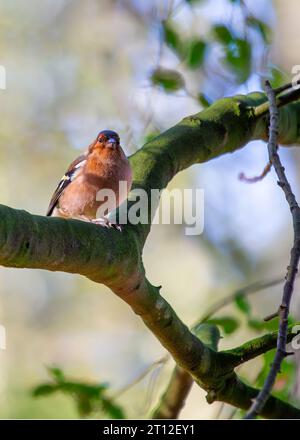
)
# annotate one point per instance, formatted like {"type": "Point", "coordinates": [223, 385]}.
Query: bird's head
{"type": "Point", "coordinates": [106, 139]}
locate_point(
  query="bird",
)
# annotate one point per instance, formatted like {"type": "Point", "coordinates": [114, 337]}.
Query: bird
{"type": "Point", "coordinates": [102, 167]}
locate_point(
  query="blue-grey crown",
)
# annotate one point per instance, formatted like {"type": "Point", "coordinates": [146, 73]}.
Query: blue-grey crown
{"type": "Point", "coordinates": [109, 134]}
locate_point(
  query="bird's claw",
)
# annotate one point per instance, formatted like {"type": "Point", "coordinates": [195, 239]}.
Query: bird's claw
{"type": "Point", "coordinates": [106, 223]}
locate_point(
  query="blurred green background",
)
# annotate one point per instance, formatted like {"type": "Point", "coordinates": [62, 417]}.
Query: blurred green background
{"type": "Point", "coordinates": [77, 67]}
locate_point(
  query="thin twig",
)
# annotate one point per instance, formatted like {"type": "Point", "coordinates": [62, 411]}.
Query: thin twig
{"type": "Point", "coordinates": [245, 291]}
{"type": "Point", "coordinates": [290, 85]}
{"type": "Point", "coordinates": [292, 269]}
{"type": "Point", "coordinates": [142, 375]}
{"type": "Point", "coordinates": [271, 316]}
{"type": "Point", "coordinates": [292, 96]}
{"type": "Point", "coordinates": [255, 179]}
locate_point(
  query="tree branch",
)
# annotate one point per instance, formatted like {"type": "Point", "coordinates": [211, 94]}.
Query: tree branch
{"type": "Point", "coordinates": [256, 347]}
{"type": "Point", "coordinates": [180, 384]}
{"type": "Point", "coordinates": [115, 259]}
{"type": "Point", "coordinates": [173, 399]}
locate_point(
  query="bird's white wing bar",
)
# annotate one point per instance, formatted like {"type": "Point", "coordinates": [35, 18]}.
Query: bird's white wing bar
{"type": "Point", "coordinates": [68, 177]}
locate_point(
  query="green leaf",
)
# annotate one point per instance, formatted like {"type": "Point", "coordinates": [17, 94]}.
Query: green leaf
{"type": "Point", "coordinates": [237, 52]}
{"type": "Point", "coordinates": [261, 27]}
{"type": "Point", "coordinates": [112, 409]}
{"type": "Point", "coordinates": [292, 320]}
{"type": "Point", "coordinates": [256, 324]}
{"type": "Point", "coordinates": [91, 390]}
{"type": "Point", "coordinates": [169, 80]}
{"type": "Point", "coordinates": [89, 397]}
{"type": "Point", "coordinates": [278, 77]}
{"type": "Point", "coordinates": [196, 54]}
{"type": "Point", "coordinates": [56, 373]}
{"type": "Point", "coordinates": [171, 37]}
{"type": "Point", "coordinates": [204, 100]}
{"type": "Point", "coordinates": [222, 34]}
{"type": "Point", "coordinates": [227, 323]}
{"type": "Point", "coordinates": [272, 325]}
{"type": "Point", "coordinates": [44, 390]}
{"type": "Point", "coordinates": [84, 405]}
{"type": "Point", "coordinates": [238, 57]}
{"type": "Point", "coordinates": [208, 333]}
{"type": "Point", "coordinates": [242, 304]}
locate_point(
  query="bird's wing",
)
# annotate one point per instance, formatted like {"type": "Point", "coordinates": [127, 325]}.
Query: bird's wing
{"type": "Point", "coordinates": [69, 176]}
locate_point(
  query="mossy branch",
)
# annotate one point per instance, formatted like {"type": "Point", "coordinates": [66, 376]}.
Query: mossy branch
{"type": "Point", "coordinates": [256, 347]}
{"type": "Point", "coordinates": [115, 259]}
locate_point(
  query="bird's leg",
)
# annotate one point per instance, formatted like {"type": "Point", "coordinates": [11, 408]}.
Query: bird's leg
{"type": "Point", "coordinates": [103, 221]}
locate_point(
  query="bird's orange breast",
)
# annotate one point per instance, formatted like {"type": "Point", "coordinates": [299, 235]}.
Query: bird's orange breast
{"type": "Point", "coordinates": [103, 170]}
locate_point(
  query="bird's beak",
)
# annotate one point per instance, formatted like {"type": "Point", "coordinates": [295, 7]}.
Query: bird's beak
{"type": "Point", "coordinates": [111, 143]}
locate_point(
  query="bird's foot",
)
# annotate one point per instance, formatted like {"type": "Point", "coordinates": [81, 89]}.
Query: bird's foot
{"type": "Point", "coordinates": [102, 221]}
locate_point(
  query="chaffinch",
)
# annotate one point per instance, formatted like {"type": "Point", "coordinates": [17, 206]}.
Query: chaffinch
{"type": "Point", "coordinates": [101, 167]}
